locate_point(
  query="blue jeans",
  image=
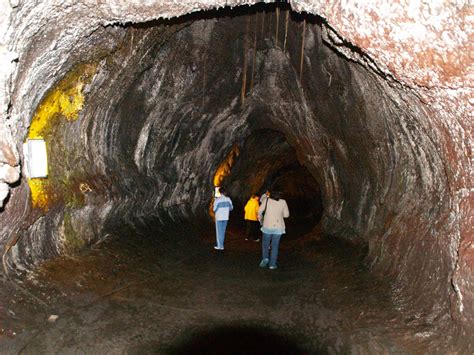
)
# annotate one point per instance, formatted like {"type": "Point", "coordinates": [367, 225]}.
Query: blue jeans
{"type": "Point", "coordinates": [220, 233]}
{"type": "Point", "coordinates": [273, 241]}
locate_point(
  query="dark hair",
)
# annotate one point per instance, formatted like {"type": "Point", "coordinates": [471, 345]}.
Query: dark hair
{"type": "Point", "coordinates": [222, 190]}
{"type": "Point", "coordinates": [276, 195]}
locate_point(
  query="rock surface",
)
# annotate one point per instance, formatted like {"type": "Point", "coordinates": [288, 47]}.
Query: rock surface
{"type": "Point", "coordinates": [140, 112]}
{"type": "Point", "coordinates": [176, 297]}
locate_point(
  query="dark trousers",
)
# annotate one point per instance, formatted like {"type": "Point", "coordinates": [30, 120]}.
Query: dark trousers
{"type": "Point", "coordinates": [252, 229]}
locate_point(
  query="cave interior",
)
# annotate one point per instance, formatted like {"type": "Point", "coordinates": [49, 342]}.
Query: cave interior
{"type": "Point", "coordinates": [143, 120]}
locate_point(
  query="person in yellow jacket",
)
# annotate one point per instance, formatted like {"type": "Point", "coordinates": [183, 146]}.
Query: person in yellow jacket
{"type": "Point", "coordinates": [251, 218]}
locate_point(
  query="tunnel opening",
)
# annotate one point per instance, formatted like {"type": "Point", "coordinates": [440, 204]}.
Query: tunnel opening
{"type": "Point", "coordinates": [266, 161]}
{"type": "Point", "coordinates": [156, 108]}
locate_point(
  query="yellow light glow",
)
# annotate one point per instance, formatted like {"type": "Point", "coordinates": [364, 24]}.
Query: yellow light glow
{"type": "Point", "coordinates": [224, 168]}
{"type": "Point", "coordinates": [64, 101]}
{"type": "Point", "coordinates": [222, 172]}
{"type": "Point", "coordinates": [39, 196]}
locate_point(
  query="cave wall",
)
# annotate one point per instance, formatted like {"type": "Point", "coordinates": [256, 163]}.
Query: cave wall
{"type": "Point", "coordinates": [424, 46]}
{"type": "Point", "coordinates": [142, 151]}
{"type": "Point", "coordinates": [386, 139]}
{"type": "Point", "coordinates": [371, 148]}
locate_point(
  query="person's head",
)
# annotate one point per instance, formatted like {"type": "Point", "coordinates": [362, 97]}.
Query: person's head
{"type": "Point", "coordinates": [223, 191]}
{"type": "Point", "coordinates": [254, 197]}
{"type": "Point", "coordinates": [276, 195]}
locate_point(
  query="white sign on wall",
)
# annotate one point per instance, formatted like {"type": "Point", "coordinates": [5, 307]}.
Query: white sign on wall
{"type": "Point", "coordinates": [36, 159]}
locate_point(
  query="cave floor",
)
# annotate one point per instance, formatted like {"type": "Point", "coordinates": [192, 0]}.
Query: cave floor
{"type": "Point", "coordinates": [138, 295]}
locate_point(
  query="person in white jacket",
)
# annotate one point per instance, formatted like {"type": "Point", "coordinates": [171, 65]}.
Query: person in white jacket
{"type": "Point", "coordinates": [271, 215]}
{"type": "Point", "coordinates": [222, 207]}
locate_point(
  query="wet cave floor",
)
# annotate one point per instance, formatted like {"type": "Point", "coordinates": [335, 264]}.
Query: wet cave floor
{"type": "Point", "coordinates": [176, 295]}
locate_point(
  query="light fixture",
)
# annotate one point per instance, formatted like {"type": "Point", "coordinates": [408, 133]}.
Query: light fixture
{"type": "Point", "coordinates": [36, 159]}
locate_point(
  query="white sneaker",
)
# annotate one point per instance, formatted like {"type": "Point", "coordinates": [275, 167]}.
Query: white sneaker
{"type": "Point", "coordinates": [217, 248]}
{"type": "Point", "coordinates": [272, 267]}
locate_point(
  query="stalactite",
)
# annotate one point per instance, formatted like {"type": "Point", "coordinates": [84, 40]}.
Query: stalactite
{"type": "Point", "coordinates": [131, 40]}
{"type": "Point", "coordinates": [244, 75]}
{"type": "Point", "coordinates": [287, 17]}
{"type": "Point", "coordinates": [270, 23]}
{"type": "Point", "coordinates": [204, 73]}
{"type": "Point", "coordinates": [302, 48]}
{"type": "Point", "coordinates": [254, 54]}
{"type": "Point", "coordinates": [277, 25]}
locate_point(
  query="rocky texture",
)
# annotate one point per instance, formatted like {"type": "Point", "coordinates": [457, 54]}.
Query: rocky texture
{"type": "Point", "coordinates": [425, 46]}
{"type": "Point", "coordinates": [387, 140]}
{"type": "Point", "coordinates": [170, 290]}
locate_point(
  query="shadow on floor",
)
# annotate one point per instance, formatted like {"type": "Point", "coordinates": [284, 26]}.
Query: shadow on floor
{"type": "Point", "coordinates": [227, 339]}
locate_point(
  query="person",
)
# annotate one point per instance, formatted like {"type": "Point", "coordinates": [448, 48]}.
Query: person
{"type": "Point", "coordinates": [271, 215]}
{"type": "Point", "coordinates": [264, 196]}
{"type": "Point", "coordinates": [251, 218]}
{"type": "Point", "coordinates": [222, 206]}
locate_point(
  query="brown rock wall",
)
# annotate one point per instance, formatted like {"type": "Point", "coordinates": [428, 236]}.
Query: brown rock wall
{"type": "Point", "coordinates": [388, 140]}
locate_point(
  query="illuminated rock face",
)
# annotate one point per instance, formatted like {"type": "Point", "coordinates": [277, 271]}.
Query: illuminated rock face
{"type": "Point", "coordinates": [387, 140]}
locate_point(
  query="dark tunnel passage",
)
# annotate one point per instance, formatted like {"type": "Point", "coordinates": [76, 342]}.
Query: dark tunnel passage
{"type": "Point", "coordinates": [265, 161]}
{"type": "Point", "coordinates": [144, 118]}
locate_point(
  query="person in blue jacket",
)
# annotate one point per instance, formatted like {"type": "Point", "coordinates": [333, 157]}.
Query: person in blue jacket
{"type": "Point", "coordinates": [222, 207]}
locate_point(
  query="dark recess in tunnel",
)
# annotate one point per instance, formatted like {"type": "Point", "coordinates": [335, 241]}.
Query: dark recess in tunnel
{"type": "Point", "coordinates": [266, 161]}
